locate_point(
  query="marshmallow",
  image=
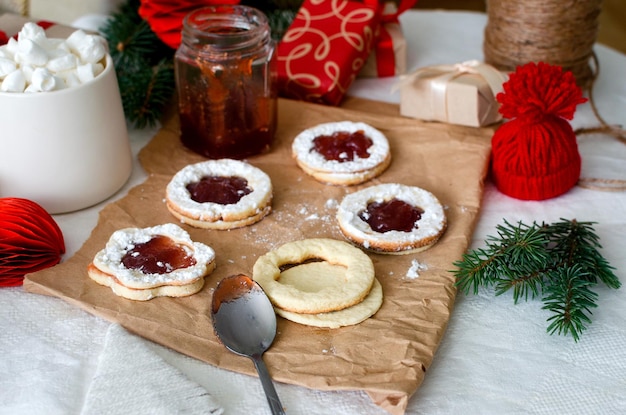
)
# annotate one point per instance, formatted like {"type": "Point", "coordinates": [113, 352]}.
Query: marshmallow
{"type": "Point", "coordinates": [76, 39]}
{"type": "Point", "coordinates": [91, 49]}
{"type": "Point", "coordinates": [34, 63]}
{"type": "Point", "coordinates": [30, 52]}
{"type": "Point", "coordinates": [88, 71]}
{"type": "Point", "coordinates": [6, 66]}
{"type": "Point", "coordinates": [14, 82]}
{"type": "Point", "coordinates": [70, 79]}
{"type": "Point", "coordinates": [43, 80]}
{"type": "Point", "coordinates": [33, 32]}
{"type": "Point", "coordinates": [11, 46]}
{"type": "Point", "coordinates": [62, 62]}
{"type": "Point", "coordinates": [4, 52]}
{"type": "Point", "coordinates": [27, 70]}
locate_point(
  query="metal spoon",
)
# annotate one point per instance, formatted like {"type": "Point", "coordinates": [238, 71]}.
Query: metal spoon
{"type": "Point", "coordinates": [244, 321]}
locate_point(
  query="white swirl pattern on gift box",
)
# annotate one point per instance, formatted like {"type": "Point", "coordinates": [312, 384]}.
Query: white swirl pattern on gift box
{"type": "Point", "coordinates": [322, 51]}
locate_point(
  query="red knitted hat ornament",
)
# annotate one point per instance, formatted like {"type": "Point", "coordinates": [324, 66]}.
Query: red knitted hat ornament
{"type": "Point", "coordinates": [535, 153]}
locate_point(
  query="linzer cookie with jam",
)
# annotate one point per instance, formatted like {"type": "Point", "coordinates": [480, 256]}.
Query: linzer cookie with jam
{"type": "Point", "coordinates": [160, 261]}
{"type": "Point", "coordinates": [342, 153]}
{"type": "Point", "coordinates": [392, 218]}
{"type": "Point", "coordinates": [219, 194]}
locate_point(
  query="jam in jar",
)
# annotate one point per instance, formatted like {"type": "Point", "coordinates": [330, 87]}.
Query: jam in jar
{"type": "Point", "coordinates": [226, 82]}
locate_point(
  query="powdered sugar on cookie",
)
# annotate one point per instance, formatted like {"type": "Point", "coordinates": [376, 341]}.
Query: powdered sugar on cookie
{"type": "Point", "coordinates": [427, 231]}
{"type": "Point", "coordinates": [121, 242]}
{"type": "Point", "coordinates": [250, 208]}
{"type": "Point", "coordinates": [342, 170]}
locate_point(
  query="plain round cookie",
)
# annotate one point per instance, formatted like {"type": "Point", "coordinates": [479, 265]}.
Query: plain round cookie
{"type": "Point", "coordinates": [250, 209]}
{"type": "Point", "coordinates": [335, 172]}
{"type": "Point", "coordinates": [431, 225]}
{"type": "Point", "coordinates": [335, 319]}
{"type": "Point", "coordinates": [340, 294]}
{"type": "Point", "coordinates": [109, 259]}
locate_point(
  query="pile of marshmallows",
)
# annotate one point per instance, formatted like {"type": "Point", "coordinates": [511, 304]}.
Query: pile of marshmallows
{"type": "Point", "coordinates": [36, 63]}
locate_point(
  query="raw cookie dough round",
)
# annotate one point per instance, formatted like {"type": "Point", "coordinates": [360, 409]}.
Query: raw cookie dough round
{"type": "Point", "coordinates": [334, 319]}
{"type": "Point", "coordinates": [249, 209]}
{"type": "Point", "coordinates": [430, 226]}
{"type": "Point", "coordinates": [336, 295]}
{"type": "Point", "coordinates": [347, 172]}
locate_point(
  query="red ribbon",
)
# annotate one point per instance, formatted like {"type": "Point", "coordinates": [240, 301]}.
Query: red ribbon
{"type": "Point", "coordinates": [385, 55]}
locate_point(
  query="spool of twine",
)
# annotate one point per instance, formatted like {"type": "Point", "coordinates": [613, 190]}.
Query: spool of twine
{"type": "Point", "coordinates": [558, 32]}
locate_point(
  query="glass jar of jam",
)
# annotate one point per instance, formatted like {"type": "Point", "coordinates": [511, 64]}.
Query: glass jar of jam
{"type": "Point", "coordinates": [226, 82]}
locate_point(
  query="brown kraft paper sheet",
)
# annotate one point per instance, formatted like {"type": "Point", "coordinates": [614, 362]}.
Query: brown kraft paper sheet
{"type": "Point", "coordinates": [387, 355]}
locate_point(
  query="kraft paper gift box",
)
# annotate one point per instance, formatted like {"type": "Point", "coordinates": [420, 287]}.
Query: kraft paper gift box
{"type": "Point", "coordinates": [463, 94]}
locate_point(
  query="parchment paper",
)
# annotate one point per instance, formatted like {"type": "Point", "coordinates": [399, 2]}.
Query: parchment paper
{"type": "Point", "coordinates": [387, 355]}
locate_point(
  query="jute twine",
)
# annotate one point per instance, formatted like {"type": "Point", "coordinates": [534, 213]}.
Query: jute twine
{"type": "Point", "coordinates": [558, 32]}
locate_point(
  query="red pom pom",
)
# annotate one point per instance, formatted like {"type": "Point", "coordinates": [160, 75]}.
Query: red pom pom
{"type": "Point", "coordinates": [535, 155]}
{"type": "Point", "coordinates": [30, 240]}
{"type": "Point", "coordinates": [165, 17]}
{"type": "Point", "coordinates": [539, 90]}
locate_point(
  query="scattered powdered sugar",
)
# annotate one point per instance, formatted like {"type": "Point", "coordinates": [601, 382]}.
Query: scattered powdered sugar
{"type": "Point", "coordinates": [415, 269]}
{"type": "Point", "coordinates": [331, 204]}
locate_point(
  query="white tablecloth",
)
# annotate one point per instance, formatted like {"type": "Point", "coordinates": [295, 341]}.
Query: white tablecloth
{"type": "Point", "coordinates": [495, 357]}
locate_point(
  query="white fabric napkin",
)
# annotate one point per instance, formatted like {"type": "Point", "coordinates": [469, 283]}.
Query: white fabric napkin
{"type": "Point", "coordinates": [131, 379]}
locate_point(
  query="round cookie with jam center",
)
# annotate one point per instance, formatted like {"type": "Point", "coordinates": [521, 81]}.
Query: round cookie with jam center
{"type": "Point", "coordinates": [342, 153]}
{"type": "Point", "coordinates": [143, 263]}
{"type": "Point", "coordinates": [219, 194]}
{"type": "Point", "coordinates": [392, 218]}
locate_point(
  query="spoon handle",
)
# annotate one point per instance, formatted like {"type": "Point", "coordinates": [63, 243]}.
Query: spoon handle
{"type": "Point", "coordinates": [268, 386]}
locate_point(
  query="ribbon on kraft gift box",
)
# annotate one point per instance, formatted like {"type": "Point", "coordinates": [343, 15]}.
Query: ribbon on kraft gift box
{"type": "Point", "coordinates": [388, 57]}
{"type": "Point", "coordinates": [325, 47]}
{"type": "Point", "coordinates": [462, 93]}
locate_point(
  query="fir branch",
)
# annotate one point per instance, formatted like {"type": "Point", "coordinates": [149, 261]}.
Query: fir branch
{"type": "Point", "coordinates": [146, 92]}
{"type": "Point", "coordinates": [558, 262]}
{"type": "Point", "coordinates": [143, 64]}
{"type": "Point", "coordinates": [570, 300]}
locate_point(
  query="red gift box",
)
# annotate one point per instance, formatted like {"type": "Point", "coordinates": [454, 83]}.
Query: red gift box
{"type": "Point", "coordinates": [325, 47]}
{"type": "Point", "coordinates": [388, 57]}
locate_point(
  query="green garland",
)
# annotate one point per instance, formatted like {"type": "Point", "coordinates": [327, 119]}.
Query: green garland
{"type": "Point", "coordinates": [559, 262]}
{"type": "Point", "coordinates": [145, 65]}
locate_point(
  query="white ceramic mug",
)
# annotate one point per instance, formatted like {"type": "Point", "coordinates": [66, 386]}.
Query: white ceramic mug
{"type": "Point", "coordinates": [66, 149]}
